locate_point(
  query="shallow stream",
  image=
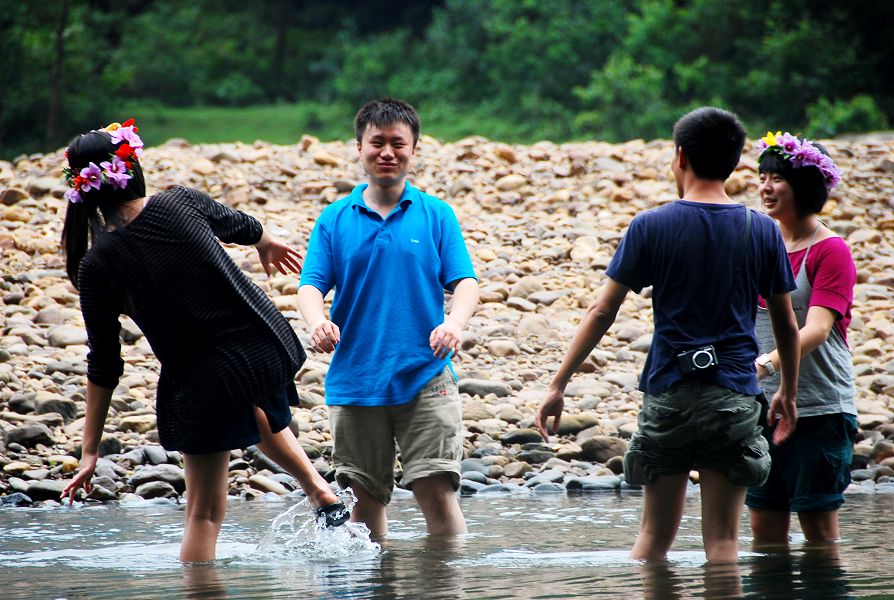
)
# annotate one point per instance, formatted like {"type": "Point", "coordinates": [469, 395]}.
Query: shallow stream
{"type": "Point", "coordinates": [519, 547]}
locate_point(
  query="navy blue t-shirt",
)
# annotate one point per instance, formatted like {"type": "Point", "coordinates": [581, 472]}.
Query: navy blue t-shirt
{"type": "Point", "coordinates": [686, 251]}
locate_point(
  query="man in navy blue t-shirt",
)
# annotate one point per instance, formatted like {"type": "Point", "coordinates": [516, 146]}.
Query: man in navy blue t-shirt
{"type": "Point", "coordinates": [390, 251]}
{"type": "Point", "coordinates": [707, 259]}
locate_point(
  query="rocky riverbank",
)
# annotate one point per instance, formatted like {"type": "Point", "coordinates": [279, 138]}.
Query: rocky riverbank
{"type": "Point", "coordinates": [541, 222]}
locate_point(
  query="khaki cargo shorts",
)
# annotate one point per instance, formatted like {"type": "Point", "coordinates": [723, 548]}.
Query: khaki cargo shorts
{"type": "Point", "coordinates": [698, 425]}
{"type": "Point", "coordinates": [428, 431]}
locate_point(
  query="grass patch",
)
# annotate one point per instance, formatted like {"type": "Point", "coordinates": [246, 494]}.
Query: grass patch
{"type": "Point", "coordinates": [277, 124]}
{"type": "Point", "coordinates": [285, 123]}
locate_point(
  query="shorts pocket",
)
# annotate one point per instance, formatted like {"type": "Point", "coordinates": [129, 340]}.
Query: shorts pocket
{"type": "Point", "coordinates": [831, 474]}
{"type": "Point", "coordinates": [658, 421]}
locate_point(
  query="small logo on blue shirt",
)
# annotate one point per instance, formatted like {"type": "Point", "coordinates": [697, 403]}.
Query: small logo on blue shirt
{"type": "Point", "coordinates": [414, 241]}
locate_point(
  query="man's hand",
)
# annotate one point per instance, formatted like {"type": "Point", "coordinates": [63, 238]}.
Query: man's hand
{"type": "Point", "coordinates": [324, 335]}
{"type": "Point", "coordinates": [82, 479]}
{"type": "Point", "coordinates": [783, 414]}
{"type": "Point", "coordinates": [273, 252]}
{"type": "Point", "coordinates": [445, 338]}
{"type": "Point", "coordinates": [551, 406]}
{"type": "Point", "coordinates": [761, 372]}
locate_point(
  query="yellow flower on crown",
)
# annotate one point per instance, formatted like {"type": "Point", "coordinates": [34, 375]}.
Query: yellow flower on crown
{"type": "Point", "coordinates": [112, 127]}
{"type": "Point", "coordinates": [770, 139]}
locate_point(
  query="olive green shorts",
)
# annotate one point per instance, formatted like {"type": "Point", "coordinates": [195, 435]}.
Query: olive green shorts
{"type": "Point", "coordinates": [428, 431]}
{"type": "Point", "coordinates": [698, 425]}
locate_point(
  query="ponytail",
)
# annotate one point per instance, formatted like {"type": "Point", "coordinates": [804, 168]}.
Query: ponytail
{"type": "Point", "coordinates": [86, 219]}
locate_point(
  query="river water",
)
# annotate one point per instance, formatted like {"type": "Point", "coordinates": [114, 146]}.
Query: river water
{"type": "Point", "coordinates": [519, 547]}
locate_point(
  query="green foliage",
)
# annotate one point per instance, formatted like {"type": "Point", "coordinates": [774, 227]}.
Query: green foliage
{"type": "Point", "coordinates": [625, 97]}
{"type": "Point", "coordinates": [828, 119]}
{"type": "Point", "coordinates": [516, 70]}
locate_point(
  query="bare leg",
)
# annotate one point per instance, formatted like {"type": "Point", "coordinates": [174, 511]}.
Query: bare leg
{"type": "Point", "coordinates": [820, 526]}
{"type": "Point", "coordinates": [769, 528]}
{"type": "Point", "coordinates": [722, 504]}
{"type": "Point", "coordinates": [437, 499]}
{"type": "Point", "coordinates": [206, 482]}
{"type": "Point", "coordinates": [369, 511]}
{"type": "Point", "coordinates": [662, 512]}
{"type": "Point", "coordinates": [284, 450]}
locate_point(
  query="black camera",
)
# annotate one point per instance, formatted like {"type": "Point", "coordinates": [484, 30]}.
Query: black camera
{"type": "Point", "coordinates": [696, 360]}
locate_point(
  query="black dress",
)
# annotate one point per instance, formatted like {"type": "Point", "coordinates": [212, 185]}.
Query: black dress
{"type": "Point", "coordinates": [223, 346]}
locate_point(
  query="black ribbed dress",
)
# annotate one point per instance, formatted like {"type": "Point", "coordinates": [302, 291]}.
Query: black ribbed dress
{"type": "Point", "coordinates": [223, 346]}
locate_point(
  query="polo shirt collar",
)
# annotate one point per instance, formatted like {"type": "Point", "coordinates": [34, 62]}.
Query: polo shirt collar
{"type": "Point", "coordinates": [409, 194]}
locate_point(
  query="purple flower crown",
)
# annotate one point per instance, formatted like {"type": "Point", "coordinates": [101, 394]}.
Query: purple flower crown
{"type": "Point", "coordinates": [115, 172]}
{"type": "Point", "coordinates": [800, 154]}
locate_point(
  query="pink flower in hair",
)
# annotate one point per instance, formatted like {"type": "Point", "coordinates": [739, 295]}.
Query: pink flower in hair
{"type": "Point", "coordinates": [128, 135]}
{"type": "Point", "coordinates": [92, 177]}
{"type": "Point", "coordinates": [788, 143]}
{"type": "Point", "coordinates": [73, 196]}
{"type": "Point", "coordinates": [116, 173]}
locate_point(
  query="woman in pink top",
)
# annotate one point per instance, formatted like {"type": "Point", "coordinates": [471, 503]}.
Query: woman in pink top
{"type": "Point", "coordinates": [811, 470]}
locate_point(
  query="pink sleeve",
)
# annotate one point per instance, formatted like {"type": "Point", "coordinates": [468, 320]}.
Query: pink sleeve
{"type": "Point", "coordinates": [833, 275]}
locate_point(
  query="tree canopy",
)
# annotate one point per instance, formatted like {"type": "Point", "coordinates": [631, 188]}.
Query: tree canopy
{"type": "Point", "coordinates": [519, 70]}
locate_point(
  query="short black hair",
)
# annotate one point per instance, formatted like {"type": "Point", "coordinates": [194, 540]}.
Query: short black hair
{"type": "Point", "coordinates": [712, 139]}
{"type": "Point", "coordinates": [808, 183]}
{"type": "Point", "coordinates": [386, 111]}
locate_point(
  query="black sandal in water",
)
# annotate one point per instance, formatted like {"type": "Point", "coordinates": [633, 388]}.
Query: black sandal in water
{"type": "Point", "coordinates": [336, 514]}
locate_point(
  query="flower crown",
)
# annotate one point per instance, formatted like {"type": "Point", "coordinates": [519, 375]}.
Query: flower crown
{"type": "Point", "coordinates": [116, 172]}
{"type": "Point", "coordinates": [800, 154]}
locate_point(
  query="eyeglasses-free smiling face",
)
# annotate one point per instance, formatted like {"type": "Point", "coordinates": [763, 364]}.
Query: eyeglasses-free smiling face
{"type": "Point", "coordinates": [386, 153]}
{"type": "Point", "coordinates": [777, 195]}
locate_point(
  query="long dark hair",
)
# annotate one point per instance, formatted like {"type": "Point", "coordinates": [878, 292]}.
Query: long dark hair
{"type": "Point", "coordinates": [86, 221]}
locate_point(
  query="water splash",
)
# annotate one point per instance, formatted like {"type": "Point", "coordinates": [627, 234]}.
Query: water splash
{"type": "Point", "coordinates": [298, 532]}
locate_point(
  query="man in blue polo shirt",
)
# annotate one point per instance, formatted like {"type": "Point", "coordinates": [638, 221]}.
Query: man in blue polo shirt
{"type": "Point", "coordinates": [390, 251]}
{"type": "Point", "coordinates": [707, 259]}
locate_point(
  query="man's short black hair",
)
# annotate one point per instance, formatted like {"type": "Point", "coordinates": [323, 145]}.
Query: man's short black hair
{"type": "Point", "coordinates": [712, 140]}
{"type": "Point", "coordinates": [386, 111]}
{"type": "Point", "coordinates": [808, 183]}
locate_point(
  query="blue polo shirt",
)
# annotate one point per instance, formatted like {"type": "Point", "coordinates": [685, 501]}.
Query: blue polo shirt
{"type": "Point", "coordinates": [686, 251]}
{"type": "Point", "coordinates": [389, 277]}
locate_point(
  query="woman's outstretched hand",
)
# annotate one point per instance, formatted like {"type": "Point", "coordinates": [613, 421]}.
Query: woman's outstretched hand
{"type": "Point", "coordinates": [551, 406]}
{"type": "Point", "coordinates": [82, 479]}
{"type": "Point", "coordinates": [273, 252]}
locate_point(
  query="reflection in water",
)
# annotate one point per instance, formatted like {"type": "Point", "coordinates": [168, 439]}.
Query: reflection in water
{"type": "Point", "coordinates": [428, 570]}
{"type": "Point", "coordinates": [814, 573]}
{"type": "Point", "coordinates": [203, 582]}
{"type": "Point", "coordinates": [662, 579]}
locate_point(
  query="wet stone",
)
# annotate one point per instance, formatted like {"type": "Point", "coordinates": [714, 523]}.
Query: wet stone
{"type": "Point", "coordinates": [109, 445]}
{"type": "Point", "coordinates": [155, 489]}
{"type": "Point", "coordinates": [468, 487]}
{"type": "Point", "coordinates": [101, 493]}
{"type": "Point", "coordinates": [30, 435]}
{"type": "Point", "coordinates": [155, 455]}
{"type": "Point", "coordinates": [15, 499]}
{"type": "Point", "coordinates": [472, 464]}
{"type": "Point", "coordinates": [521, 436]}
{"type": "Point", "coordinates": [600, 448]}
{"type": "Point", "coordinates": [483, 387]}
{"type": "Point", "coordinates": [548, 488]}
{"type": "Point", "coordinates": [475, 476]}
{"type": "Point", "coordinates": [47, 489]}
{"type": "Point", "coordinates": [593, 484]}
{"type": "Point", "coordinates": [170, 474]}
{"type": "Point", "coordinates": [535, 457]}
